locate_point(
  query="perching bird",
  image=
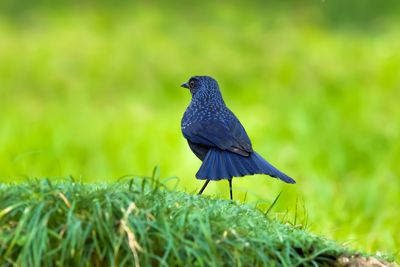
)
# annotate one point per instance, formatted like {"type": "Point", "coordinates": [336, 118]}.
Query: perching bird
{"type": "Point", "coordinates": [218, 138]}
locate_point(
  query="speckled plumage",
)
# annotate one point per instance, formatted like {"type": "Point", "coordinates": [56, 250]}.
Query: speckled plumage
{"type": "Point", "coordinates": [217, 137]}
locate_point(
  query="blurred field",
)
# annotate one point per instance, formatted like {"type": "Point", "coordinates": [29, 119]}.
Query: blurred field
{"type": "Point", "coordinates": [93, 92]}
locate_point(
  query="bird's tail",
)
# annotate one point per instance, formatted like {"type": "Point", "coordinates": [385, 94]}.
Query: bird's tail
{"type": "Point", "coordinates": [222, 164]}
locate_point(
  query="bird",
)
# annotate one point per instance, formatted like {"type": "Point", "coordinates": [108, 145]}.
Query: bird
{"type": "Point", "coordinates": [216, 136]}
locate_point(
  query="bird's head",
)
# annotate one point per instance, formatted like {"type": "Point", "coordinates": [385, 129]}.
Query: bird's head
{"type": "Point", "coordinates": [205, 85]}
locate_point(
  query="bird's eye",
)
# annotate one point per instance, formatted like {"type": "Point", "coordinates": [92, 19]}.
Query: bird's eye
{"type": "Point", "coordinates": [192, 84]}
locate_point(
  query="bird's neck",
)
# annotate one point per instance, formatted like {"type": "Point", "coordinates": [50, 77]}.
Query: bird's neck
{"type": "Point", "coordinates": [208, 98]}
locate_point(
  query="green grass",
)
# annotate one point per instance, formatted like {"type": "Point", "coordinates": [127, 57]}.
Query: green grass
{"type": "Point", "coordinates": [93, 92]}
{"type": "Point", "coordinates": [137, 222]}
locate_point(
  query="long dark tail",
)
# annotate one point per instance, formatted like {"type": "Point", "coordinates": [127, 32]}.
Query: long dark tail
{"type": "Point", "coordinates": [222, 164]}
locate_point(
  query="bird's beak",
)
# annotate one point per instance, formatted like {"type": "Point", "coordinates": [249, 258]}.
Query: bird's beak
{"type": "Point", "coordinates": [185, 85]}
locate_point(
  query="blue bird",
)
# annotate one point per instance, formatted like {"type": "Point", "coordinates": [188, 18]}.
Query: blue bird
{"type": "Point", "coordinates": [218, 139]}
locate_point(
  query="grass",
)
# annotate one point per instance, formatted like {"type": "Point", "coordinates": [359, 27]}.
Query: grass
{"type": "Point", "coordinates": [137, 222]}
{"type": "Point", "coordinates": [94, 93]}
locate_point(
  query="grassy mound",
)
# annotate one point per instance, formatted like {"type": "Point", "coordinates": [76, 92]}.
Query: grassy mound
{"type": "Point", "coordinates": [139, 223]}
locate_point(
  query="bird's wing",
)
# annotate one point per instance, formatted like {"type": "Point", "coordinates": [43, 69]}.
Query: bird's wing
{"type": "Point", "coordinates": [199, 150]}
{"type": "Point", "coordinates": [228, 135]}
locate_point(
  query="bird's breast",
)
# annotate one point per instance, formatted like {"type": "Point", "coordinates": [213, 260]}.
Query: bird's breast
{"type": "Point", "coordinates": [187, 119]}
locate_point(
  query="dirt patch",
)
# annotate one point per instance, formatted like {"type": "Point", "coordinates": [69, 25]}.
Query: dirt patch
{"type": "Point", "coordinates": [359, 261]}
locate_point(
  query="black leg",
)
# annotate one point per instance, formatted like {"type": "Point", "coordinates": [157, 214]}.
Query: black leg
{"type": "Point", "coordinates": [230, 188]}
{"type": "Point", "coordinates": [204, 187]}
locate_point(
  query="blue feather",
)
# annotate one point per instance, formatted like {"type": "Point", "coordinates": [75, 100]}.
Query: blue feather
{"type": "Point", "coordinates": [222, 164]}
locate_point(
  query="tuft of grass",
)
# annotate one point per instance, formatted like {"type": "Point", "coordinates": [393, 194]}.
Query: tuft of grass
{"type": "Point", "coordinates": [138, 222]}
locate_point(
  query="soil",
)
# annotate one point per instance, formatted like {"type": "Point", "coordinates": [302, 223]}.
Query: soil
{"type": "Point", "coordinates": [359, 261]}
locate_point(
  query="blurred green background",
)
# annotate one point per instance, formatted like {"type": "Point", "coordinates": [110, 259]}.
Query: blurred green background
{"type": "Point", "coordinates": [91, 89]}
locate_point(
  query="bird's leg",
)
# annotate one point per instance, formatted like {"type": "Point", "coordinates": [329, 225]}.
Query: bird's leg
{"type": "Point", "coordinates": [230, 188]}
{"type": "Point", "coordinates": [204, 187]}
